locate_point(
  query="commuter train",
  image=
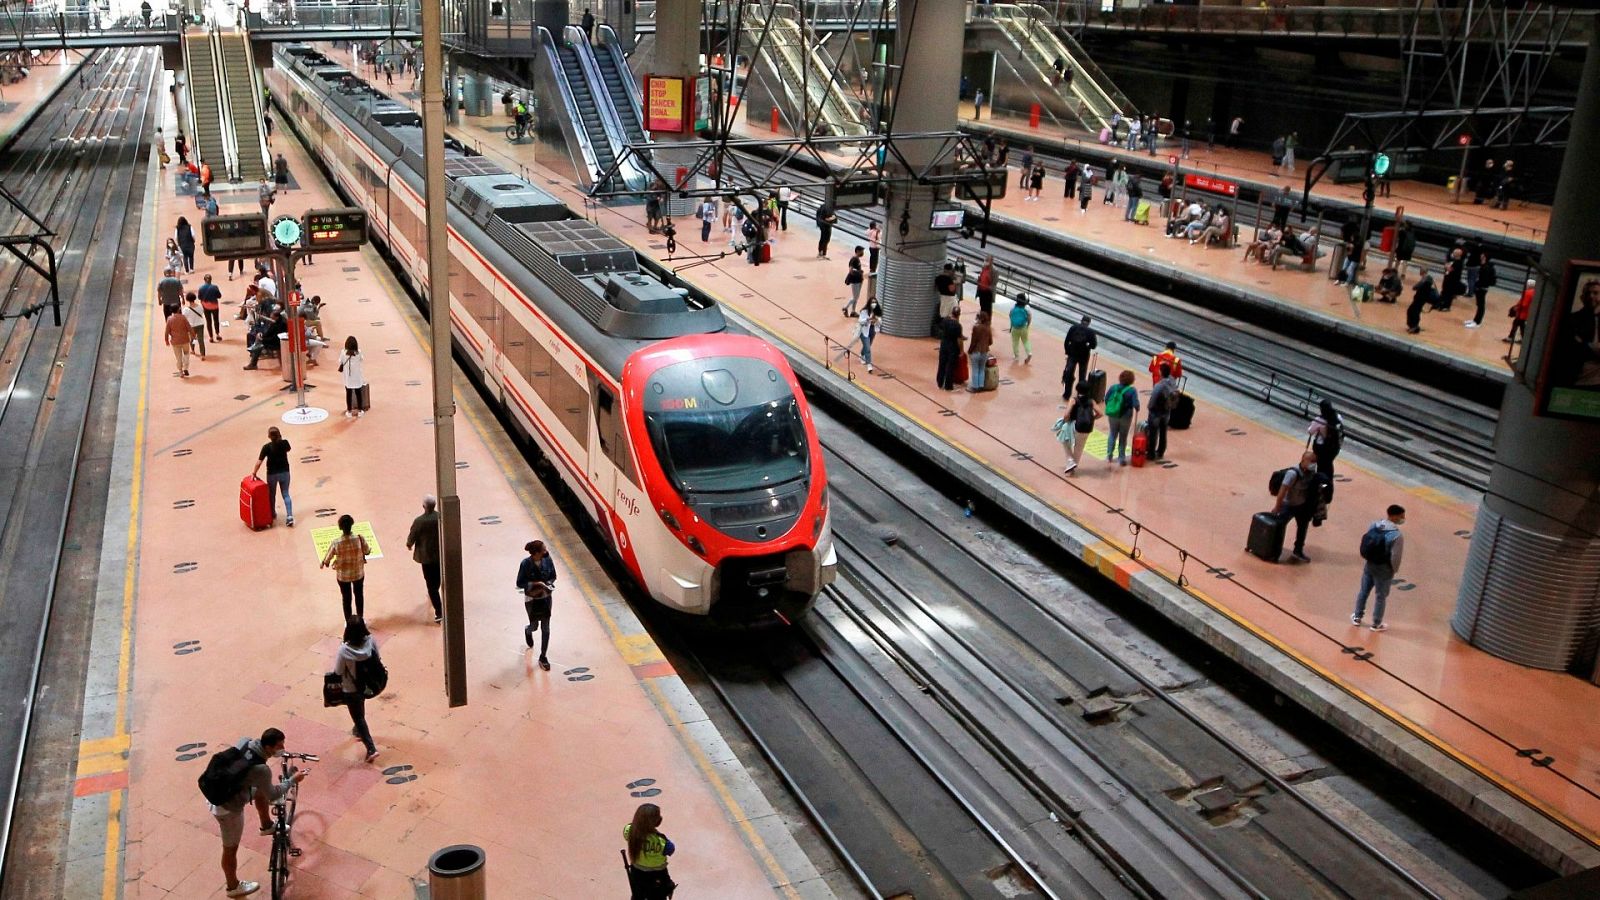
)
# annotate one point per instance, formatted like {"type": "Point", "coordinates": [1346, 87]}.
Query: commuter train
{"type": "Point", "coordinates": [691, 447]}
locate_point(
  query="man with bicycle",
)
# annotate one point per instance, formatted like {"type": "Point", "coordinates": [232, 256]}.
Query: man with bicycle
{"type": "Point", "coordinates": [522, 120]}
{"type": "Point", "coordinates": [256, 787]}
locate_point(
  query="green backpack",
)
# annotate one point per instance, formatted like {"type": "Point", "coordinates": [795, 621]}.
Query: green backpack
{"type": "Point", "coordinates": [1115, 400]}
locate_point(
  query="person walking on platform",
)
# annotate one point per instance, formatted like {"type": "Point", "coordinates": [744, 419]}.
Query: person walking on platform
{"type": "Point", "coordinates": [205, 178]}
{"type": "Point", "coordinates": [1036, 182]}
{"type": "Point", "coordinates": [280, 173]}
{"type": "Point", "coordinates": [1289, 143]}
{"type": "Point", "coordinates": [825, 219]}
{"type": "Point", "coordinates": [977, 104]}
{"type": "Point", "coordinates": [1325, 435]}
{"type": "Point", "coordinates": [1298, 496]}
{"type": "Point", "coordinates": [1021, 323]}
{"type": "Point", "coordinates": [588, 23]}
{"type": "Point", "coordinates": [197, 323]}
{"type": "Point", "coordinates": [348, 556]}
{"type": "Point", "coordinates": [707, 215]}
{"type": "Point", "coordinates": [1519, 314]}
{"type": "Point", "coordinates": [853, 279]}
{"type": "Point", "coordinates": [785, 199]}
{"type": "Point", "coordinates": [1080, 418]}
{"type": "Point", "coordinates": [978, 351]}
{"type": "Point", "coordinates": [180, 146]}
{"type": "Point", "coordinates": [178, 336]}
{"type": "Point", "coordinates": [423, 542]}
{"type": "Point", "coordinates": [264, 195]}
{"type": "Point", "coordinates": [1085, 188]}
{"type": "Point", "coordinates": [950, 336]}
{"type": "Point", "coordinates": [1382, 546]}
{"type": "Point", "coordinates": [169, 292]}
{"type": "Point", "coordinates": [647, 854]}
{"type": "Point", "coordinates": [255, 787]}
{"type": "Point", "coordinates": [867, 322]}
{"type": "Point", "coordinates": [948, 286]}
{"type": "Point", "coordinates": [184, 235]}
{"type": "Point", "coordinates": [1163, 400]}
{"type": "Point", "coordinates": [356, 648]}
{"type": "Point", "coordinates": [352, 369]}
{"type": "Point", "coordinates": [1079, 345]}
{"type": "Point", "coordinates": [174, 256]}
{"type": "Point", "coordinates": [267, 126]}
{"type": "Point", "coordinates": [1122, 407]}
{"type": "Point", "coordinates": [1167, 357]}
{"type": "Point", "coordinates": [275, 453]}
{"type": "Point", "coordinates": [536, 579]}
{"type": "Point", "coordinates": [1070, 176]}
{"type": "Point", "coordinates": [1234, 128]}
{"type": "Point", "coordinates": [874, 245]}
{"type": "Point", "coordinates": [1480, 288]}
{"type": "Point", "coordinates": [1027, 168]}
{"type": "Point", "coordinates": [211, 305]}
{"type": "Point", "coordinates": [1453, 283]}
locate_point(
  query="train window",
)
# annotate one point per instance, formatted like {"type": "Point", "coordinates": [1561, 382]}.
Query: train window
{"type": "Point", "coordinates": [569, 403]}
{"type": "Point", "coordinates": [517, 345]}
{"type": "Point", "coordinates": [538, 372]}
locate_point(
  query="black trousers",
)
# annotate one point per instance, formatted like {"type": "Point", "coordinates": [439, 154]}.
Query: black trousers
{"type": "Point", "coordinates": [538, 620]}
{"type": "Point", "coordinates": [705, 230]}
{"type": "Point", "coordinates": [1414, 311]}
{"type": "Point", "coordinates": [430, 577]}
{"type": "Point", "coordinates": [214, 322]}
{"type": "Point", "coordinates": [947, 369]}
{"type": "Point", "coordinates": [872, 259]}
{"type": "Point", "coordinates": [358, 588]}
{"type": "Point", "coordinates": [1156, 435]}
{"type": "Point", "coordinates": [1480, 297]}
{"type": "Point", "coordinates": [825, 235]}
{"type": "Point", "coordinates": [1302, 519]}
{"type": "Point", "coordinates": [1080, 366]}
{"type": "Point", "coordinates": [783, 215]}
{"type": "Point", "coordinates": [646, 884]}
{"type": "Point", "coordinates": [357, 704]}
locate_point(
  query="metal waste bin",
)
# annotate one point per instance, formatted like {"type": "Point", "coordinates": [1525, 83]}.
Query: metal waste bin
{"type": "Point", "coordinates": [457, 873]}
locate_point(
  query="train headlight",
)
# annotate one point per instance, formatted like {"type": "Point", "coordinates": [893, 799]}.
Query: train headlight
{"type": "Point", "coordinates": [668, 518]}
{"type": "Point", "coordinates": [696, 546]}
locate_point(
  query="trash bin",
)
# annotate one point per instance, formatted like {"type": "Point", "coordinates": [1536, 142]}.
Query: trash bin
{"type": "Point", "coordinates": [456, 873]}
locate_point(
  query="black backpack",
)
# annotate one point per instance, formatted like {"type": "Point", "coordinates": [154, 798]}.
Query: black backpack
{"type": "Point", "coordinates": [371, 676]}
{"type": "Point", "coordinates": [1375, 546]}
{"type": "Point", "coordinates": [1275, 483]}
{"type": "Point", "coordinates": [225, 773]}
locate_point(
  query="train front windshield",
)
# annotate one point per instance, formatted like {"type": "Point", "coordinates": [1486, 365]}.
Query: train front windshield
{"type": "Point", "coordinates": [708, 451]}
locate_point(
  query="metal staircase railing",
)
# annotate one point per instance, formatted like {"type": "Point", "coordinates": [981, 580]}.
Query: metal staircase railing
{"type": "Point", "coordinates": [1090, 94]}
{"type": "Point", "coordinates": [242, 83]}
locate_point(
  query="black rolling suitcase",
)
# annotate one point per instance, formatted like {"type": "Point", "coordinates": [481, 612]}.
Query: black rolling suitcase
{"type": "Point", "coordinates": [1183, 413]}
{"type": "Point", "coordinates": [1096, 381]}
{"type": "Point", "coordinates": [1266, 536]}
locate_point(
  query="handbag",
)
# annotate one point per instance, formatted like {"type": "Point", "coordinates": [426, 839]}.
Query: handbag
{"type": "Point", "coordinates": [332, 689]}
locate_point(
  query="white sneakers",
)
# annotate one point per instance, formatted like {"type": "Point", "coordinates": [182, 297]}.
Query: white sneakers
{"type": "Point", "coordinates": [1470, 324]}
{"type": "Point", "coordinates": [245, 889]}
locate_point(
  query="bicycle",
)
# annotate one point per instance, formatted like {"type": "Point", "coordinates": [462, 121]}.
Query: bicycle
{"type": "Point", "coordinates": [283, 848]}
{"type": "Point", "coordinates": [517, 133]}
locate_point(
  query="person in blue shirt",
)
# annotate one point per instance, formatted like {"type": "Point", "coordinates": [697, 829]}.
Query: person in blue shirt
{"type": "Point", "coordinates": [536, 579]}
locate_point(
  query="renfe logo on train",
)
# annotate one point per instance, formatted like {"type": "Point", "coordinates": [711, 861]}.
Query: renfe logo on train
{"type": "Point", "coordinates": [1214, 185]}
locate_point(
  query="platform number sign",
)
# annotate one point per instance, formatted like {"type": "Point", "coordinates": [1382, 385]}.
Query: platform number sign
{"type": "Point", "coordinates": [1380, 164]}
{"type": "Point", "coordinates": [335, 229]}
{"type": "Point", "coordinates": [286, 231]}
{"type": "Point", "coordinates": [234, 237]}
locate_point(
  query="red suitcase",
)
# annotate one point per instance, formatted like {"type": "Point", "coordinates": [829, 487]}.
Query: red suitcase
{"type": "Point", "coordinates": [766, 253]}
{"type": "Point", "coordinates": [255, 503]}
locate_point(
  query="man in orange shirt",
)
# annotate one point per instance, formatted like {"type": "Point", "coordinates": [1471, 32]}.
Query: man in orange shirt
{"type": "Point", "coordinates": [178, 334]}
{"type": "Point", "coordinates": [205, 178]}
{"type": "Point", "coordinates": [1519, 313]}
{"type": "Point", "coordinates": [1168, 356]}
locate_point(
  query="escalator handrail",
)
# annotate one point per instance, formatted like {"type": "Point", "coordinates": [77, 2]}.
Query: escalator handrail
{"type": "Point", "coordinates": [591, 159]}
{"type": "Point", "coordinates": [631, 173]}
{"type": "Point", "coordinates": [612, 47]}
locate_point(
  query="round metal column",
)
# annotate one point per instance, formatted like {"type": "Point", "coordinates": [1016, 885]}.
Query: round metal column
{"type": "Point", "coordinates": [1531, 589]}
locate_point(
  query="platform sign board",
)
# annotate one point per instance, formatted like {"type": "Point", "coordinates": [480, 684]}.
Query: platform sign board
{"type": "Point", "coordinates": [323, 538]}
{"type": "Point", "coordinates": [335, 229]}
{"type": "Point", "coordinates": [973, 190]}
{"type": "Point", "coordinates": [1569, 380]}
{"type": "Point", "coordinates": [853, 192]}
{"type": "Point", "coordinates": [1209, 183]}
{"type": "Point", "coordinates": [664, 98]}
{"type": "Point", "coordinates": [234, 237]}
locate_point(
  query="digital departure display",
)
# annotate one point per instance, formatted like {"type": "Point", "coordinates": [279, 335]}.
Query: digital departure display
{"type": "Point", "coordinates": [947, 219]}
{"type": "Point", "coordinates": [234, 236]}
{"type": "Point", "coordinates": [331, 229]}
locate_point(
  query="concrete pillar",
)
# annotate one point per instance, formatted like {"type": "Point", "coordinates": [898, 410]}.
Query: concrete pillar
{"type": "Point", "coordinates": [929, 57]}
{"type": "Point", "coordinates": [1531, 590]}
{"type": "Point", "coordinates": [677, 54]}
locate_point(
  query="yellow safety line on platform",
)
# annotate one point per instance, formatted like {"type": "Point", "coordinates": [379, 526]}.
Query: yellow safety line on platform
{"type": "Point", "coordinates": [111, 887]}
{"type": "Point", "coordinates": [1431, 494]}
{"type": "Point", "coordinates": [629, 646]}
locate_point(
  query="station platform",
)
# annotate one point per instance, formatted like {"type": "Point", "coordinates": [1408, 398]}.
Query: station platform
{"type": "Point", "coordinates": [1103, 230]}
{"type": "Point", "coordinates": [207, 632]}
{"type": "Point", "coordinates": [1431, 203]}
{"type": "Point", "coordinates": [1496, 739]}
{"type": "Point", "coordinates": [20, 100]}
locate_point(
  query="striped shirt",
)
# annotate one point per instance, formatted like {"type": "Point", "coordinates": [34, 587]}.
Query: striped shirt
{"type": "Point", "coordinates": [349, 555]}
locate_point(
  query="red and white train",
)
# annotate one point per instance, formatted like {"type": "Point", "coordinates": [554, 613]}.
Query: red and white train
{"type": "Point", "coordinates": [691, 447]}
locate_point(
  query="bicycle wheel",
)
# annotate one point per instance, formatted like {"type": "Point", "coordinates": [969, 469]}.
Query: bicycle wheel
{"type": "Point", "coordinates": [278, 865]}
{"type": "Point", "coordinates": [511, 134]}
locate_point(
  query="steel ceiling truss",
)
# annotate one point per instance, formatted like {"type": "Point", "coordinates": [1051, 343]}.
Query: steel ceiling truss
{"type": "Point", "coordinates": [21, 245]}
{"type": "Point", "coordinates": [1497, 109]}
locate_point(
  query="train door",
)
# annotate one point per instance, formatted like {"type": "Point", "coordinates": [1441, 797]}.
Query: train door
{"type": "Point", "coordinates": [602, 442]}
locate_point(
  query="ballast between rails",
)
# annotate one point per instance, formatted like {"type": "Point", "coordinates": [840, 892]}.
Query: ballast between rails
{"type": "Point", "coordinates": [692, 448]}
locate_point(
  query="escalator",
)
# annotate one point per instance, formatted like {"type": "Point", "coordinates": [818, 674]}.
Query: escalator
{"type": "Point", "coordinates": [587, 108]}
{"type": "Point", "coordinates": [205, 102]}
{"type": "Point", "coordinates": [800, 74]}
{"type": "Point", "coordinates": [1087, 97]}
{"type": "Point", "coordinates": [619, 84]}
{"type": "Point", "coordinates": [242, 84]}
{"type": "Point", "coordinates": [584, 100]}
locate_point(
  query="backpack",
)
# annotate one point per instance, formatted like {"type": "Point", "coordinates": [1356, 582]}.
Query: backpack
{"type": "Point", "coordinates": [1019, 317]}
{"type": "Point", "coordinates": [1375, 545]}
{"type": "Point", "coordinates": [1169, 401]}
{"type": "Point", "coordinates": [1083, 416]}
{"type": "Point", "coordinates": [371, 676]}
{"type": "Point", "coordinates": [1275, 483]}
{"type": "Point", "coordinates": [225, 773]}
{"type": "Point", "coordinates": [1115, 400]}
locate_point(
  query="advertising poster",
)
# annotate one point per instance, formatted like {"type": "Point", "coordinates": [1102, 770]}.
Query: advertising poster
{"type": "Point", "coordinates": [1569, 386]}
{"type": "Point", "coordinates": [663, 104]}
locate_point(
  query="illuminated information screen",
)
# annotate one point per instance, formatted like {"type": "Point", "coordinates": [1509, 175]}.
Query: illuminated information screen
{"type": "Point", "coordinates": [335, 229]}
{"type": "Point", "coordinates": [224, 236]}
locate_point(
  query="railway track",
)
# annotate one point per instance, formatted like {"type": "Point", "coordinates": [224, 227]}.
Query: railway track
{"type": "Point", "coordinates": [958, 728]}
{"type": "Point", "coordinates": [77, 165]}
